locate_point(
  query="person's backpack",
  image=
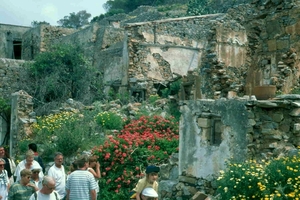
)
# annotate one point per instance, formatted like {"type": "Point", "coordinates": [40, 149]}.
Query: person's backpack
{"type": "Point", "coordinates": [35, 196]}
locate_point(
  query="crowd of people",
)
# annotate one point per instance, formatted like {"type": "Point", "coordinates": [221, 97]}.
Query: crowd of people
{"type": "Point", "coordinates": [27, 180]}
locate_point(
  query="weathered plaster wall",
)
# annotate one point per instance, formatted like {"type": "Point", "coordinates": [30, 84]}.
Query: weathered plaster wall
{"type": "Point", "coordinates": [215, 131]}
{"type": "Point", "coordinates": [201, 46]}
{"type": "Point", "coordinates": [205, 157]}
{"type": "Point", "coordinates": [8, 34]}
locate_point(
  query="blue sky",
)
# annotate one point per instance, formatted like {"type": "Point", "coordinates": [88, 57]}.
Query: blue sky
{"type": "Point", "coordinates": [23, 12]}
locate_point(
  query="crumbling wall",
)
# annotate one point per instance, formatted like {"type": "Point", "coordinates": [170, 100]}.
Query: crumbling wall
{"type": "Point", "coordinates": [39, 39]}
{"type": "Point", "coordinates": [12, 76]}
{"type": "Point", "coordinates": [272, 31]}
{"type": "Point", "coordinates": [22, 116]}
{"type": "Point", "coordinates": [213, 132]}
{"type": "Point", "coordinates": [201, 48]}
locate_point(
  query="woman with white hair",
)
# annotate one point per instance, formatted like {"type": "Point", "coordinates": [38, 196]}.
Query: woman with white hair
{"type": "Point", "coordinates": [4, 181]}
{"type": "Point", "coordinates": [149, 194]}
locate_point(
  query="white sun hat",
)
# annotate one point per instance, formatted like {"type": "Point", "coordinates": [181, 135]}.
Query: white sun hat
{"type": "Point", "coordinates": [149, 192]}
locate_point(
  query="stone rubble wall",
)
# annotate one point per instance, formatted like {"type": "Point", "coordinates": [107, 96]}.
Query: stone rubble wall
{"type": "Point", "coordinates": [248, 129]}
{"type": "Point", "coordinates": [22, 116]}
{"type": "Point", "coordinates": [12, 76]}
{"type": "Point", "coordinates": [39, 39]}
{"type": "Point", "coordinates": [207, 47]}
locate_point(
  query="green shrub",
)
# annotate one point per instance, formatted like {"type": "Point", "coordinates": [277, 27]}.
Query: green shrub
{"type": "Point", "coordinates": [62, 72]}
{"type": "Point", "coordinates": [273, 180]}
{"type": "Point", "coordinates": [153, 98]}
{"type": "Point", "coordinates": [109, 120]}
{"type": "Point", "coordinates": [124, 157]}
{"type": "Point", "coordinates": [66, 131]}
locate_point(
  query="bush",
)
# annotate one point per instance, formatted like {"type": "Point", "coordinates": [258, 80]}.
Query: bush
{"type": "Point", "coordinates": [124, 157]}
{"type": "Point", "coordinates": [109, 120]}
{"type": "Point", "coordinates": [274, 180]}
{"type": "Point", "coordinates": [62, 72]}
{"type": "Point", "coordinates": [66, 132]}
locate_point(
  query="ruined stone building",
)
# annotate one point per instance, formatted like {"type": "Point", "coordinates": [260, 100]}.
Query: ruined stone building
{"type": "Point", "coordinates": [239, 53]}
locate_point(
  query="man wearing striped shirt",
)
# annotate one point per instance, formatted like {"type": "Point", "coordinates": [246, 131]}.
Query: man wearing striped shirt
{"type": "Point", "coordinates": [81, 184]}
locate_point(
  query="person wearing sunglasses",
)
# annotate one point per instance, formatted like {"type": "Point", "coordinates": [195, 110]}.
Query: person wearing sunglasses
{"type": "Point", "coordinates": [35, 177]}
{"type": "Point", "coordinates": [24, 188]}
{"type": "Point", "coordinates": [48, 190]}
{"type": "Point", "coordinates": [4, 180]}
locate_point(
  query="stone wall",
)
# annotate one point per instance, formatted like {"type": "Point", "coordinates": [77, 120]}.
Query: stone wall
{"type": "Point", "coordinates": [206, 47]}
{"type": "Point", "coordinates": [213, 132]}
{"type": "Point", "coordinates": [12, 76]}
{"type": "Point", "coordinates": [39, 39]}
{"type": "Point", "coordinates": [272, 32]}
{"type": "Point", "coordinates": [22, 116]}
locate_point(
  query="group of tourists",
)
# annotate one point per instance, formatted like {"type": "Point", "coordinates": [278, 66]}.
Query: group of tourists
{"type": "Point", "coordinates": [27, 180]}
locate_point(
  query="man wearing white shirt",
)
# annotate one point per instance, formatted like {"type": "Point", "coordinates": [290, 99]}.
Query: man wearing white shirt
{"type": "Point", "coordinates": [47, 192]}
{"type": "Point", "coordinates": [57, 172]}
{"type": "Point", "coordinates": [28, 163]}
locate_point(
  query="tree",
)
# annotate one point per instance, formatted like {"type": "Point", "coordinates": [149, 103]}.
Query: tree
{"type": "Point", "coordinates": [127, 5]}
{"type": "Point", "coordinates": [75, 20]}
{"type": "Point", "coordinates": [198, 7]}
{"type": "Point", "coordinates": [36, 23]}
{"type": "Point", "coordinates": [62, 72]}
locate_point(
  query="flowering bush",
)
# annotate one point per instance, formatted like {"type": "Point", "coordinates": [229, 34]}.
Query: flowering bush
{"type": "Point", "coordinates": [109, 120]}
{"type": "Point", "coordinates": [124, 157]}
{"type": "Point", "coordinates": [273, 180]}
{"type": "Point", "coordinates": [65, 131]}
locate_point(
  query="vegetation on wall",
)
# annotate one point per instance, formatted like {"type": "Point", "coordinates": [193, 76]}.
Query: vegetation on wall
{"type": "Point", "coordinates": [62, 72]}
{"type": "Point", "coordinates": [37, 23]}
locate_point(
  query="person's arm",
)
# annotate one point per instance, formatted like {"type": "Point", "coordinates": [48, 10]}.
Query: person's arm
{"type": "Point", "coordinates": [93, 194]}
{"type": "Point", "coordinates": [138, 196]}
{"type": "Point", "coordinates": [33, 186]}
{"type": "Point", "coordinates": [68, 195]}
{"type": "Point", "coordinates": [96, 173]}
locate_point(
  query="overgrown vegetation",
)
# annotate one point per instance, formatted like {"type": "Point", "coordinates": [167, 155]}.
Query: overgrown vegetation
{"type": "Point", "coordinates": [62, 72]}
{"type": "Point", "coordinates": [67, 131]}
{"type": "Point", "coordinates": [276, 179]}
{"type": "Point", "coordinates": [5, 113]}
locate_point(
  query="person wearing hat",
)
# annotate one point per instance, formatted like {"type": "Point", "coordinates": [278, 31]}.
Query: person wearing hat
{"type": "Point", "coordinates": [35, 177]}
{"type": "Point", "coordinates": [149, 194]}
{"type": "Point", "coordinates": [150, 180]}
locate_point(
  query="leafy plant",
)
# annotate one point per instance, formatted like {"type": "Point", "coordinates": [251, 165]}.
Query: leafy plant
{"type": "Point", "coordinates": [66, 131]}
{"type": "Point", "coordinates": [62, 72]}
{"type": "Point", "coordinates": [109, 120]}
{"type": "Point", "coordinates": [5, 110]}
{"type": "Point", "coordinates": [153, 98]}
{"type": "Point", "coordinates": [275, 179]}
{"type": "Point", "coordinates": [173, 89]}
{"type": "Point", "coordinates": [198, 7]}
{"type": "Point", "coordinates": [124, 157]}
